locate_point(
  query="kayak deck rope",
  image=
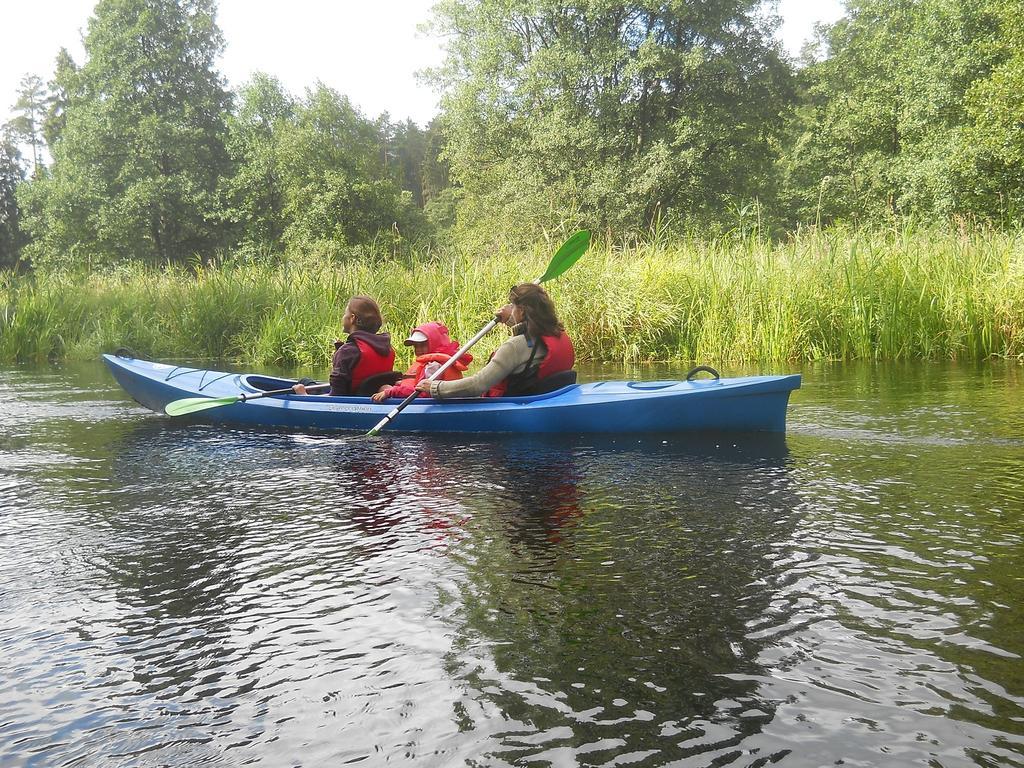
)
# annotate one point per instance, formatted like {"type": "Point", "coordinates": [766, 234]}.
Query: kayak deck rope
{"type": "Point", "coordinates": [179, 370]}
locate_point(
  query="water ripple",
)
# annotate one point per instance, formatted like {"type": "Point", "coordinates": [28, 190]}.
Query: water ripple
{"type": "Point", "coordinates": [186, 595]}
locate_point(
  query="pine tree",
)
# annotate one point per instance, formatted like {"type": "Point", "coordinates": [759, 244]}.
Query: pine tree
{"type": "Point", "coordinates": [31, 106]}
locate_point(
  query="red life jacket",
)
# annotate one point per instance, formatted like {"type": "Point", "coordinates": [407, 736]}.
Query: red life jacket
{"type": "Point", "coordinates": [560, 357]}
{"type": "Point", "coordinates": [370, 363]}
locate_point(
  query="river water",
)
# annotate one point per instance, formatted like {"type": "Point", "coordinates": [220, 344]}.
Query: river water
{"type": "Point", "coordinates": [849, 594]}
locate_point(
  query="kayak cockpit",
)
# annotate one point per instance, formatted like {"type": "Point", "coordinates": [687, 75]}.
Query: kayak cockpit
{"type": "Point", "coordinates": [255, 382]}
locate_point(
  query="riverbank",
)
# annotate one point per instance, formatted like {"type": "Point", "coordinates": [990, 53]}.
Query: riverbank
{"type": "Point", "coordinates": [832, 295]}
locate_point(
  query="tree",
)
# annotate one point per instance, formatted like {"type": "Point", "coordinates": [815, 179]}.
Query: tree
{"type": "Point", "coordinates": [137, 163]}
{"type": "Point", "coordinates": [313, 173]}
{"type": "Point", "coordinates": [11, 174]}
{"type": "Point", "coordinates": [61, 87]}
{"type": "Point", "coordinates": [409, 145]}
{"type": "Point", "coordinates": [256, 193]}
{"type": "Point", "coordinates": [886, 125]}
{"type": "Point", "coordinates": [992, 161]}
{"type": "Point", "coordinates": [611, 113]}
{"type": "Point", "coordinates": [337, 190]}
{"type": "Point", "coordinates": [31, 106]}
{"type": "Point", "coordinates": [435, 171]}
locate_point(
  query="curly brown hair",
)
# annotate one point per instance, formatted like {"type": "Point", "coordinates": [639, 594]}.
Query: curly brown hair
{"type": "Point", "coordinates": [538, 310]}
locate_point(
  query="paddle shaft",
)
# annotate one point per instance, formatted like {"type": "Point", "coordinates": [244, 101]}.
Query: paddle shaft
{"type": "Point", "coordinates": [444, 367]}
{"type": "Point", "coordinates": [194, 404]}
{"type": "Point", "coordinates": [290, 391]}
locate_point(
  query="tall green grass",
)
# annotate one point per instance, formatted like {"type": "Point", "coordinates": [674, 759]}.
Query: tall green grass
{"type": "Point", "coordinates": [820, 295]}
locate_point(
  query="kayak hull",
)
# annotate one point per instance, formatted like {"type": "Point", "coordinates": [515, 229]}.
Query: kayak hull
{"type": "Point", "coordinates": [749, 404]}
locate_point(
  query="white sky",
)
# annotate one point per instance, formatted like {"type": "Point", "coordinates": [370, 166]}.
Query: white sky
{"type": "Point", "coordinates": [369, 51]}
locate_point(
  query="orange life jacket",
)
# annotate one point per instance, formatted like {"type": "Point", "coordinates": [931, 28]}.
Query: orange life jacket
{"type": "Point", "coordinates": [417, 370]}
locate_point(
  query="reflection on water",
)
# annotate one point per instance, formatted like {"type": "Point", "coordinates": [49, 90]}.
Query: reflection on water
{"type": "Point", "coordinates": [850, 594]}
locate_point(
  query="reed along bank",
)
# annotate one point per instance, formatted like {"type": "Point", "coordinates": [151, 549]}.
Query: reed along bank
{"type": "Point", "coordinates": [832, 295]}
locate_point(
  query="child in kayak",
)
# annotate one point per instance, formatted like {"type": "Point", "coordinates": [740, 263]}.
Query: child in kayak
{"type": "Point", "coordinates": [432, 348]}
{"type": "Point", "coordinates": [365, 353]}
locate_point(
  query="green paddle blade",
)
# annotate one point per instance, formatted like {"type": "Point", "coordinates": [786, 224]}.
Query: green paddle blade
{"type": "Point", "coordinates": [567, 255]}
{"type": "Point", "coordinates": [193, 404]}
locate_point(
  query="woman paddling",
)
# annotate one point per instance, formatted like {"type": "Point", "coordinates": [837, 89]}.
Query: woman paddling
{"type": "Point", "coordinates": [539, 348]}
{"type": "Point", "coordinates": [365, 353]}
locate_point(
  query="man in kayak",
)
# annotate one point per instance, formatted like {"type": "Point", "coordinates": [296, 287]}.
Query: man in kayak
{"type": "Point", "coordinates": [365, 353]}
{"type": "Point", "coordinates": [432, 347]}
{"type": "Point", "coordinates": [538, 348]}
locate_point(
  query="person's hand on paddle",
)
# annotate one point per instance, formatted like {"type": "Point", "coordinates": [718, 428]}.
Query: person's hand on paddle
{"type": "Point", "coordinates": [423, 386]}
{"type": "Point", "coordinates": [301, 387]}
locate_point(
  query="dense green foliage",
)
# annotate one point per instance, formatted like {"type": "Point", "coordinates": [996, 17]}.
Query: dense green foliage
{"type": "Point", "coordinates": [675, 129]}
{"type": "Point", "coordinates": [610, 114]}
{"type": "Point", "coordinates": [869, 295]}
{"type": "Point", "coordinates": [995, 133]}
{"type": "Point", "coordinates": [630, 118]}
{"type": "Point", "coordinates": [141, 152]}
{"type": "Point", "coordinates": [153, 161]}
{"type": "Point", "coordinates": [310, 174]}
{"type": "Point", "coordinates": [11, 238]}
{"type": "Point", "coordinates": [916, 111]}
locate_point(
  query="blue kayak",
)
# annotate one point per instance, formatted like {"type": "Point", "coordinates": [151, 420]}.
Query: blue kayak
{"type": "Point", "coordinates": [748, 404]}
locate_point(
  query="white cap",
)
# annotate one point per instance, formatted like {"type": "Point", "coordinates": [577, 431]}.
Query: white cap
{"type": "Point", "coordinates": [416, 337]}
